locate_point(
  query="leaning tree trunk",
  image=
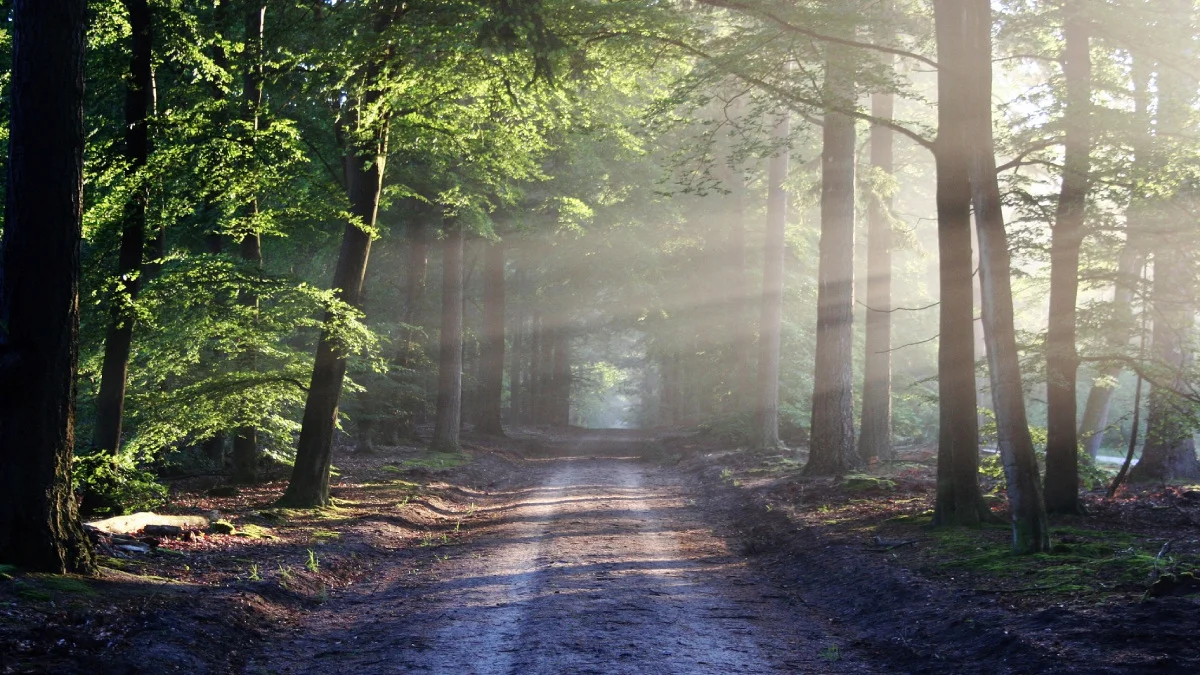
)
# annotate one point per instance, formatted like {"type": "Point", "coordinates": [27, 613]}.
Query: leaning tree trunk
{"type": "Point", "coordinates": [1030, 529]}
{"type": "Point", "coordinates": [770, 327]}
{"type": "Point", "coordinates": [875, 440]}
{"type": "Point", "coordinates": [832, 450]}
{"type": "Point", "coordinates": [39, 289]}
{"type": "Point", "coordinates": [959, 500]}
{"type": "Point", "coordinates": [1062, 359]}
{"type": "Point", "coordinates": [118, 341]}
{"type": "Point", "coordinates": [245, 438]}
{"type": "Point", "coordinates": [1169, 453]}
{"type": "Point", "coordinates": [309, 484]}
{"type": "Point", "coordinates": [448, 415]}
{"type": "Point", "coordinates": [491, 386]}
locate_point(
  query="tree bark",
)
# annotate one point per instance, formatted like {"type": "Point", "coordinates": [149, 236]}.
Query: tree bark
{"type": "Point", "coordinates": [741, 387]}
{"type": "Point", "coordinates": [1030, 529]}
{"type": "Point", "coordinates": [561, 402]}
{"type": "Point", "coordinates": [1062, 359]}
{"type": "Point", "coordinates": [1169, 453]}
{"type": "Point", "coordinates": [959, 500]}
{"type": "Point", "coordinates": [39, 289]}
{"type": "Point", "coordinates": [491, 386]}
{"type": "Point", "coordinates": [118, 341]}
{"type": "Point", "coordinates": [245, 439]}
{"type": "Point", "coordinates": [448, 415]}
{"type": "Point", "coordinates": [516, 393]}
{"type": "Point", "coordinates": [535, 368]}
{"type": "Point", "coordinates": [832, 450]}
{"type": "Point", "coordinates": [309, 484]}
{"type": "Point", "coordinates": [766, 412]}
{"type": "Point", "coordinates": [875, 440]}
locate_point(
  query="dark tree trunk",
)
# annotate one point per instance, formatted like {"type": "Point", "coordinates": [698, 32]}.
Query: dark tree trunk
{"type": "Point", "coordinates": [959, 499]}
{"type": "Point", "coordinates": [39, 289]}
{"type": "Point", "coordinates": [118, 341]}
{"type": "Point", "coordinates": [1030, 529]}
{"type": "Point", "coordinates": [245, 439]}
{"type": "Point", "coordinates": [766, 411]}
{"type": "Point", "coordinates": [535, 367]}
{"type": "Point", "coordinates": [1062, 359]}
{"type": "Point", "coordinates": [309, 485]}
{"type": "Point", "coordinates": [561, 401]}
{"type": "Point", "coordinates": [491, 385]}
{"type": "Point", "coordinates": [832, 450]}
{"type": "Point", "coordinates": [516, 394]}
{"type": "Point", "coordinates": [1169, 453]}
{"type": "Point", "coordinates": [875, 440]}
{"type": "Point", "coordinates": [448, 414]}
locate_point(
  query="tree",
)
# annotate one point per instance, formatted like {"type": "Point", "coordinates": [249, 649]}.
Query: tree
{"type": "Point", "coordinates": [959, 499]}
{"type": "Point", "coordinates": [875, 439]}
{"type": "Point", "coordinates": [1028, 511]}
{"type": "Point", "coordinates": [39, 289]}
{"type": "Point", "coordinates": [1062, 359]}
{"type": "Point", "coordinates": [110, 402]}
{"type": "Point", "coordinates": [365, 157]}
{"type": "Point", "coordinates": [766, 418]}
{"type": "Point", "coordinates": [491, 389]}
{"type": "Point", "coordinates": [448, 415]}
{"type": "Point", "coordinates": [832, 449]}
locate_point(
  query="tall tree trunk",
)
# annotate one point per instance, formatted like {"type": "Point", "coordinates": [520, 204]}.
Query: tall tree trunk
{"type": "Point", "coordinates": [1030, 529]}
{"type": "Point", "coordinates": [1062, 359]}
{"type": "Point", "coordinates": [766, 411]}
{"type": "Point", "coordinates": [364, 166]}
{"type": "Point", "coordinates": [491, 386]}
{"type": "Point", "coordinates": [875, 440]}
{"type": "Point", "coordinates": [516, 394]}
{"type": "Point", "coordinates": [535, 368]}
{"type": "Point", "coordinates": [1169, 452]}
{"type": "Point", "coordinates": [39, 289]}
{"type": "Point", "coordinates": [448, 415]}
{"type": "Point", "coordinates": [561, 408]}
{"type": "Point", "coordinates": [959, 500]}
{"type": "Point", "coordinates": [832, 449]}
{"type": "Point", "coordinates": [1129, 268]}
{"type": "Point", "coordinates": [245, 439]}
{"type": "Point", "coordinates": [118, 341]}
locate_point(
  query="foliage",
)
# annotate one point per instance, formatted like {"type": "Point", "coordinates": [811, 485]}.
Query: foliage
{"type": "Point", "coordinates": [115, 485]}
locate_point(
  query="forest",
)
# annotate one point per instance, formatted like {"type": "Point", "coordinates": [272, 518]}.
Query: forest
{"type": "Point", "coordinates": [694, 336]}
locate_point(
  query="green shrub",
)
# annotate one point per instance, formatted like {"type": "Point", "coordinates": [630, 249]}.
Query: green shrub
{"type": "Point", "coordinates": [115, 485]}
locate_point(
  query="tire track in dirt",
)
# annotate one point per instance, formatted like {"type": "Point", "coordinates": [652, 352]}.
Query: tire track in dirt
{"type": "Point", "coordinates": [606, 567]}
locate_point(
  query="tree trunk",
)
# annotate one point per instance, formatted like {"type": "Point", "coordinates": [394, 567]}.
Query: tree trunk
{"type": "Point", "coordinates": [309, 484]}
{"type": "Point", "coordinates": [245, 439]}
{"type": "Point", "coordinates": [1030, 530]}
{"type": "Point", "coordinates": [561, 402]}
{"type": "Point", "coordinates": [875, 440]}
{"type": "Point", "coordinates": [535, 368]}
{"type": "Point", "coordinates": [1062, 360]}
{"type": "Point", "coordinates": [118, 341]}
{"type": "Point", "coordinates": [491, 386]}
{"type": "Point", "coordinates": [832, 450]}
{"type": "Point", "coordinates": [1093, 425]}
{"type": "Point", "coordinates": [516, 394]}
{"type": "Point", "coordinates": [39, 289]}
{"type": "Point", "coordinates": [741, 387]}
{"type": "Point", "coordinates": [959, 500]}
{"type": "Point", "coordinates": [766, 412]}
{"type": "Point", "coordinates": [448, 415]}
{"type": "Point", "coordinates": [1169, 453]}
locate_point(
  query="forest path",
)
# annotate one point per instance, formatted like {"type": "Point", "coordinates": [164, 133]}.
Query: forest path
{"type": "Point", "coordinates": [606, 567]}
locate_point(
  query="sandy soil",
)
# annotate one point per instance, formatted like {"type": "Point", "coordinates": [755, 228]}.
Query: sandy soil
{"type": "Point", "coordinates": [606, 566]}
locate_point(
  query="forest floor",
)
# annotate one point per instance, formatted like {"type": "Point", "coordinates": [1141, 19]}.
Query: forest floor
{"type": "Point", "coordinates": [619, 552]}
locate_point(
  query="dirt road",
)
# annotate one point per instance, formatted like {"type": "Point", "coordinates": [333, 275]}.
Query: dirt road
{"type": "Point", "coordinates": [605, 567]}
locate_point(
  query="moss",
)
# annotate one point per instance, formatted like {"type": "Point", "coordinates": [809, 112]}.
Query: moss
{"type": "Point", "coordinates": [222, 527]}
{"type": "Point", "coordinates": [428, 460]}
{"type": "Point", "coordinates": [864, 483]}
{"type": "Point", "coordinates": [255, 532]}
{"type": "Point", "coordinates": [324, 535]}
